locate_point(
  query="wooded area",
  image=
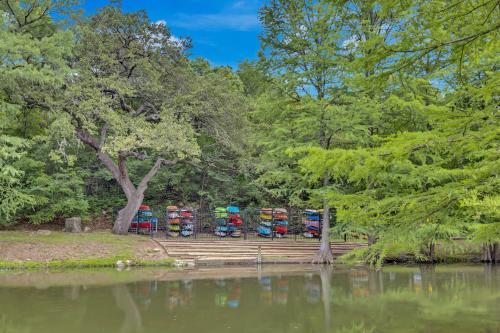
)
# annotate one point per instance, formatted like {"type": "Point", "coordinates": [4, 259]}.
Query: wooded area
{"type": "Point", "coordinates": [386, 110]}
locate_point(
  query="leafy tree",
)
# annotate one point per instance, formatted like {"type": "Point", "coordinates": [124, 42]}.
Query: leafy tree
{"type": "Point", "coordinates": [126, 71]}
{"type": "Point", "coordinates": [315, 52]}
{"type": "Point", "coordinates": [418, 183]}
{"type": "Point", "coordinates": [32, 69]}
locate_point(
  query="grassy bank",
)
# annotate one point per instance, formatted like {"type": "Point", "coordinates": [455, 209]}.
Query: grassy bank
{"type": "Point", "coordinates": [54, 250]}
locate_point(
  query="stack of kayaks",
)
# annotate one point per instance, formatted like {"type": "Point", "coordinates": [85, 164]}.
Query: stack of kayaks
{"type": "Point", "coordinates": [228, 221]}
{"type": "Point", "coordinates": [265, 227]}
{"type": "Point", "coordinates": [235, 221]}
{"type": "Point", "coordinates": [221, 222]}
{"type": "Point", "coordinates": [142, 220]}
{"type": "Point", "coordinates": [186, 215]}
{"type": "Point", "coordinates": [311, 223]}
{"type": "Point", "coordinates": [173, 221]}
{"type": "Point", "coordinates": [280, 222]}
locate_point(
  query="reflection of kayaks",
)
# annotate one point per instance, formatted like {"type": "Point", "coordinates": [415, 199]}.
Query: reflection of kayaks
{"type": "Point", "coordinates": [221, 299]}
{"type": "Point", "coordinates": [233, 303]}
{"type": "Point", "coordinates": [265, 281]}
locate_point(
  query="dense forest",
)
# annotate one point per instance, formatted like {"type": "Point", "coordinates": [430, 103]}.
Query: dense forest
{"type": "Point", "coordinates": [386, 110]}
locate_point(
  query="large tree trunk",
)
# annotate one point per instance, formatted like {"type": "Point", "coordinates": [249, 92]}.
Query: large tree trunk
{"type": "Point", "coordinates": [126, 214]}
{"type": "Point", "coordinates": [490, 252]}
{"type": "Point", "coordinates": [325, 255]}
{"type": "Point", "coordinates": [432, 252]}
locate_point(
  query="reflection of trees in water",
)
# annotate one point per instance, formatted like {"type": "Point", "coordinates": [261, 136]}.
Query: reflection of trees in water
{"type": "Point", "coordinates": [179, 293]}
{"type": "Point", "coordinates": [326, 293]}
{"type": "Point", "coordinates": [450, 300]}
{"type": "Point", "coordinates": [132, 321]}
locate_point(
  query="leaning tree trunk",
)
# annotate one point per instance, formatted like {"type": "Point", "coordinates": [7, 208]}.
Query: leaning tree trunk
{"type": "Point", "coordinates": [325, 255]}
{"type": "Point", "coordinates": [127, 213]}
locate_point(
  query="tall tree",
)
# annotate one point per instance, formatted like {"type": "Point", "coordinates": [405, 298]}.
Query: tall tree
{"type": "Point", "coordinates": [314, 51]}
{"type": "Point", "coordinates": [299, 46]}
{"type": "Point", "coordinates": [32, 70]}
{"type": "Point", "coordinates": [425, 183]}
{"type": "Point", "coordinates": [125, 74]}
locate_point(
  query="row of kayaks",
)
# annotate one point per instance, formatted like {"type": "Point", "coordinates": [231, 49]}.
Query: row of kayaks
{"type": "Point", "coordinates": [273, 222]}
{"type": "Point", "coordinates": [144, 220]}
{"type": "Point", "coordinates": [311, 220]}
{"type": "Point", "coordinates": [180, 221]}
{"type": "Point", "coordinates": [228, 221]}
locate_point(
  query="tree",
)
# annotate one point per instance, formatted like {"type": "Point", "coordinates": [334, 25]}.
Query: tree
{"type": "Point", "coordinates": [125, 74]}
{"type": "Point", "coordinates": [418, 183]}
{"type": "Point", "coordinates": [314, 51]}
{"type": "Point", "coordinates": [32, 69]}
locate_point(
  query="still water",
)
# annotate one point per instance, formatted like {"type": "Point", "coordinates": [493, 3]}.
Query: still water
{"type": "Point", "coordinates": [440, 299]}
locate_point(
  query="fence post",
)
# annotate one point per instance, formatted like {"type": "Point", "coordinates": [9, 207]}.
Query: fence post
{"type": "Point", "coordinates": [166, 223]}
{"type": "Point", "coordinates": [321, 225]}
{"type": "Point", "coordinates": [272, 223]}
{"type": "Point", "coordinates": [195, 222]}
{"type": "Point", "coordinates": [245, 223]}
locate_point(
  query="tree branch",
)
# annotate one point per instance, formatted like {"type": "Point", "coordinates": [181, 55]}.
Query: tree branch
{"type": "Point", "coordinates": [158, 164]}
{"type": "Point", "coordinates": [119, 171]}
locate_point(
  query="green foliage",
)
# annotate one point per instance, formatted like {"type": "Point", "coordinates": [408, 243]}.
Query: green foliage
{"type": "Point", "coordinates": [12, 197]}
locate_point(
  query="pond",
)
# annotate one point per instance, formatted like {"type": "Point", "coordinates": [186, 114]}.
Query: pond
{"type": "Point", "coordinates": [247, 299]}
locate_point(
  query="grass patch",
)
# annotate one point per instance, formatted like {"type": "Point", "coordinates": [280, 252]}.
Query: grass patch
{"type": "Point", "coordinates": [57, 237]}
{"type": "Point", "coordinates": [29, 250]}
{"type": "Point", "coordinates": [82, 263]}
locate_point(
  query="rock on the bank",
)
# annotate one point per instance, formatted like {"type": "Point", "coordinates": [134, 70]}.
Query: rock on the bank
{"type": "Point", "coordinates": [73, 224]}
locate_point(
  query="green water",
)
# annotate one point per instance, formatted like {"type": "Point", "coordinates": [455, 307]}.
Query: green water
{"type": "Point", "coordinates": [451, 299]}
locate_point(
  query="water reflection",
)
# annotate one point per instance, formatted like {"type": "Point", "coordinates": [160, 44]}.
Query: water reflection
{"type": "Point", "coordinates": [132, 319]}
{"type": "Point", "coordinates": [434, 299]}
